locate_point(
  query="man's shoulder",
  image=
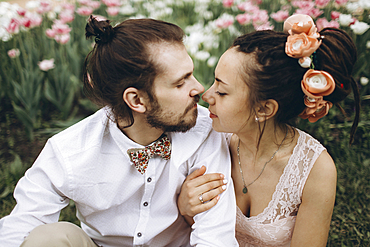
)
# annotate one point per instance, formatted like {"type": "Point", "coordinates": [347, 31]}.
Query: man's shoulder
{"type": "Point", "coordinates": [85, 132]}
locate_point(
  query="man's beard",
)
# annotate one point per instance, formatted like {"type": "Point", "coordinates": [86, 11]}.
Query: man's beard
{"type": "Point", "coordinates": [156, 117]}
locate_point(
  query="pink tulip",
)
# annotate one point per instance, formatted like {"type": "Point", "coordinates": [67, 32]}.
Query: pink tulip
{"type": "Point", "coordinates": [227, 3]}
{"type": "Point", "coordinates": [321, 3]}
{"type": "Point", "coordinates": [224, 21]}
{"type": "Point", "coordinates": [244, 19]}
{"type": "Point", "coordinates": [66, 16]}
{"type": "Point", "coordinates": [335, 15]}
{"type": "Point", "coordinates": [112, 3]}
{"type": "Point", "coordinates": [322, 23]}
{"type": "Point", "coordinates": [314, 13]}
{"type": "Point", "coordinates": [303, 11]}
{"type": "Point", "coordinates": [62, 39]}
{"type": "Point", "coordinates": [46, 65]}
{"type": "Point", "coordinates": [13, 53]}
{"type": "Point", "coordinates": [280, 16]}
{"type": "Point", "coordinates": [94, 4]}
{"type": "Point", "coordinates": [341, 2]}
{"type": "Point", "coordinates": [303, 4]}
{"type": "Point", "coordinates": [84, 2]}
{"type": "Point", "coordinates": [34, 18]}
{"type": "Point", "coordinates": [60, 28]}
{"type": "Point", "coordinates": [21, 12]}
{"type": "Point", "coordinates": [50, 33]}
{"type": "Point", "coordinates": [112, 11]}
{"type": "Point", "coordinates": [248, 7]}
{"type": "Point", "coordinates": [260, 17]}
{"type": "Point", "coordinates": [258, 2]}
{"type": "Point", "coordinates": [68, 6]}
{"type": "Point", "coordinates": [26, 22]}
{"type": "Point", "coordinates": [85, 11]}
{"type": "Point", "coordinates": [13, 26]}
{"type": "Point", "coordinates": [265, 26]}
{"type": "Point", "coordinates": [44, 7]}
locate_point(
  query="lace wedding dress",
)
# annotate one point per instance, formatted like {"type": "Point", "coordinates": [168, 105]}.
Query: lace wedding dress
{"type": "Point", "coordinates": [274, 226]}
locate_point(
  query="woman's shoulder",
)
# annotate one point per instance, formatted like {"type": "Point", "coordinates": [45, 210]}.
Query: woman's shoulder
{"type": "Point", "coordinates": [310, 142]}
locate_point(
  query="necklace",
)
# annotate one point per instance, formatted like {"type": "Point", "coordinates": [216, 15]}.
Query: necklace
{"type": "Point", "coordinates": [245, 190]}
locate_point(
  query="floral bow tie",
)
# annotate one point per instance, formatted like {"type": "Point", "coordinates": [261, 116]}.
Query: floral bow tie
{"type": "Point", "coordinates": [140, 156]}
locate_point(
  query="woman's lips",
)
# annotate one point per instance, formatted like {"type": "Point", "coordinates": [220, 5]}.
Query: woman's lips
{"type": "Point", "coordinates": [211, 115]}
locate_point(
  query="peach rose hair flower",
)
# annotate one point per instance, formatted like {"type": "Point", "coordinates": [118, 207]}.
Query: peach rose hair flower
{"type": "Point", "coordinates": [302, 42]}
{"type": "Point", "coordinates": [317, 114]}
{"type": "Point", "coordinates": [303, 38]}
{"type": "Point", "coordinates": [301, 45]}
{"type": "Point", "coordinates": [315, 85]}
{"type": "Point", "coordinates": [300, 23]}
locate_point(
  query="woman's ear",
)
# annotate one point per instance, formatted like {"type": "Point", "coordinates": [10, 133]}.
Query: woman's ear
{"type": "Point", "coordinates": [135, 99]}
{"type": "Point", "coordinates": [267, 110]}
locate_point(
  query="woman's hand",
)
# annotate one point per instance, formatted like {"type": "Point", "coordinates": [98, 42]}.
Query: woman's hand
{"type": "Point", "coordinates": [208, 186]}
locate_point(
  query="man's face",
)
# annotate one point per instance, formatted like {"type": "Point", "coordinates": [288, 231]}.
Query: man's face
{"type": "Point", "coordinates": [175, 89]}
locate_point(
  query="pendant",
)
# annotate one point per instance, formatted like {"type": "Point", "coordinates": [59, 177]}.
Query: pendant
{"type": "Point", "coordinates": [245, 190]}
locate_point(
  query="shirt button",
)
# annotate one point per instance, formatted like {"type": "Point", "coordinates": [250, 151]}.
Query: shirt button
{"type": "Point", "coordinates": [149, 180]}
{"type": "Point", "coordinates": [146, 204]}
{"type": "Point", "coordinates": [139, 234]}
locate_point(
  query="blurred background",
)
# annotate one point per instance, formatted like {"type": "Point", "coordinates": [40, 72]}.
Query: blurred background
{"type": "Point", "coordinates": [42, 49]}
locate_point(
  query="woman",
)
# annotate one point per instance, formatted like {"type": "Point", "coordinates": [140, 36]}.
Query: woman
{"type": "Point", "coordinates": [284, 179]}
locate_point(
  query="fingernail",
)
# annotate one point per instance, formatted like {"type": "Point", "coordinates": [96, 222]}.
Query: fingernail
{"type": "Point", "coordinates": [222, 175]}
{"type": "Point", "coordinates": [225, 181]}
{"type": "Point", "coordinates": [223, 187]}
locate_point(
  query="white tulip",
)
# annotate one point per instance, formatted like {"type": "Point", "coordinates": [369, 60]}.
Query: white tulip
{"type": "Point", "coordinates": [365, 4]}
{"type": "Point", "coordinates": [212, 61]}
{"type": "Point", "coordinates": [345, 20]}
{"type": "Point", "coordinates": [352, 7]}
{"type": "Point", "coordinates": [359, 27]}
{"type": "Point", "coordinates": [32, 5]}
{"type": "Point", "coordinates": [46, 65]}
{"type": "Point", "coordinates": [202, 55]}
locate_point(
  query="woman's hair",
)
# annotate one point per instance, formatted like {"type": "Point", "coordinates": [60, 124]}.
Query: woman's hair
{"type": "Point", "coordinates": [121, 58]}
{"type": "Point", "coordinates": [277, 76]}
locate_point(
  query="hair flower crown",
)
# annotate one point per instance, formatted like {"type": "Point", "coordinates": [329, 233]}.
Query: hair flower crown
{"type": "Point", "coordinates": [302, 43]}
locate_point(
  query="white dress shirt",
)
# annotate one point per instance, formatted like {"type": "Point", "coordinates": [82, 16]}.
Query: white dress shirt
{"type": "Point", "coordinates": [117, 206]}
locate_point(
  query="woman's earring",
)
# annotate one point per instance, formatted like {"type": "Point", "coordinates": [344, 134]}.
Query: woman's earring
{"type": "Point", "coordinates": [257, 119]}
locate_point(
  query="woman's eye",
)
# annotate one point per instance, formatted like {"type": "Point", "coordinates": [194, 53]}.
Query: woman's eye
{"type": "Point", "coordinates": [221, 94]}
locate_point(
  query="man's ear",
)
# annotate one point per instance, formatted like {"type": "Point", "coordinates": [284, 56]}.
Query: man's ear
{"type": "Point", "coordinates": [135, 99]}
{"type": "Point", "coordinates": [267, 110]}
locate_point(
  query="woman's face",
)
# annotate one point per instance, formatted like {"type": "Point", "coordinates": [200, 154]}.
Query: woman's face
{"type": "Point", "coordinates": [228, 96]}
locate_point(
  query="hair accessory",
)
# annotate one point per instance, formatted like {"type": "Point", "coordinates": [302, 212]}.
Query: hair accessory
{"type": "Point", "coordinates": [302, 43]}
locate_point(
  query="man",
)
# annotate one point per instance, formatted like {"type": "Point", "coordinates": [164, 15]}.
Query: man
{"type": "Point", "coordinates": [126, 194]}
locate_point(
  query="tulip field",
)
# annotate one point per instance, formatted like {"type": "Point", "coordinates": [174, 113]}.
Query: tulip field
{"type": "Point", "coordinates": [43, 47]}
